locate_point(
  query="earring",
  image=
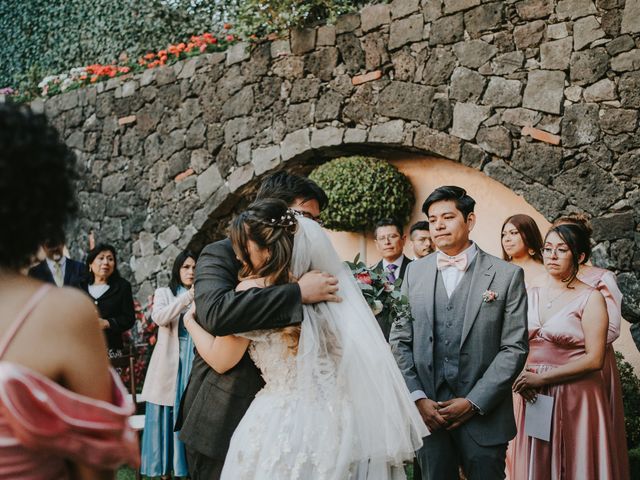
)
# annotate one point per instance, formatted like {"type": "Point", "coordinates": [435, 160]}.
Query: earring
{"type": "Point", "coordinates": [531, 252]}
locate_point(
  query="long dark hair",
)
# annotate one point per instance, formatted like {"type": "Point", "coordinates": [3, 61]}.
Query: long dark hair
{"type": "Point", "coordinates": [91, 256]}
{"type": "Point", "coordinates": [530, 233]}
{"type": "Point", "coordinates": [578, 243]}
{"type": "Point", "coordinates": [175, 281]}
{"type": "Point", "coordinates": [271, 226]}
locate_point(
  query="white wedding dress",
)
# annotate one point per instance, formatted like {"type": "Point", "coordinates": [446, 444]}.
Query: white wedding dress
{"type": "Point", "coordinates": [339, 408]}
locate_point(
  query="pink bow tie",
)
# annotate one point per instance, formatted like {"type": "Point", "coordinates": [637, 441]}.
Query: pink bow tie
{"type": "Point", "coordinates": [459, 261]}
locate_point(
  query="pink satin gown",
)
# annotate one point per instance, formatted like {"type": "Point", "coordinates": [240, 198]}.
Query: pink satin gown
{"type": "Point", "coordinates": [605, 282]}
{"type": "Point", "coordinates": [43, 425]}
{"type": "Point", "coordinates": [583, 443]}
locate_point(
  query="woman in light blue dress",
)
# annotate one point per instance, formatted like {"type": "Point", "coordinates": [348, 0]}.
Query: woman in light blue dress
{"type": "Point", "coordinates": [168, 373]}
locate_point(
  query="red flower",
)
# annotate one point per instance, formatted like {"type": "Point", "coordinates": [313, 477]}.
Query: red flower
{"type": "Point", "coordinates": [364, 278]}
{"type": "Point", "coordinates": [230, 38]}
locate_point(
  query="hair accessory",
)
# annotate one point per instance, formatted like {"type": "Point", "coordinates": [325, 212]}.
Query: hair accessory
{"type": "Point", "coordinates": [286, 220]}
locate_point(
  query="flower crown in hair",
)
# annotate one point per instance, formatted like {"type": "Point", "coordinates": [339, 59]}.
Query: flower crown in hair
{"type": "Point", "coordinates": [286, 220]}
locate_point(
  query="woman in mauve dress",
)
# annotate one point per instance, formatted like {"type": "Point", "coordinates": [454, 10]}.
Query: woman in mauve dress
{"type": "Point", "coordinates": [568, 325]}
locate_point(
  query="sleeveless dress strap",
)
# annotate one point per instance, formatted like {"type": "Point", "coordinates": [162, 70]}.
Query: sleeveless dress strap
{"type": "Point", "coordinates": [22, 316]}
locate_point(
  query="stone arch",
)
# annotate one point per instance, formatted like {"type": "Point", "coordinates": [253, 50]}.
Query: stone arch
{"type": "Point", "coordinates": [539, 95]}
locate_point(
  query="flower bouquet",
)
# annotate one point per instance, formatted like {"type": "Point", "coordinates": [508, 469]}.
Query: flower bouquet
{"type": "Point", "coordinates": [385, 299]}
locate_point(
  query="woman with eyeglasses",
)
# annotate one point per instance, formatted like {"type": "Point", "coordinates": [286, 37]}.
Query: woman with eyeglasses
{"type": "Point", "coordinates": [605, 282]}
{"type": "Point", "coordinates": [567, 340]}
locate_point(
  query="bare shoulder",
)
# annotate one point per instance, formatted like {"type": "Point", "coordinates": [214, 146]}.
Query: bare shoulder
{"type": "Point", "coordinates": [72, 309]}
{"type": "Point", "coordinates": [248, 283]}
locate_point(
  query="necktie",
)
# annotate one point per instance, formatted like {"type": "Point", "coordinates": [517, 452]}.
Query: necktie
{"type": "Point", "coordinates": [391, 268]}
{"type": "Point", "coordinates": [57, 274]}
{"type": "Point", "coordinates": [459, 261]}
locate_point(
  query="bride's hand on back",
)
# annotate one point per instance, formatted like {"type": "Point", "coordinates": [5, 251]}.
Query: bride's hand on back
{"type": "Point", "coordinates": [316, 287]}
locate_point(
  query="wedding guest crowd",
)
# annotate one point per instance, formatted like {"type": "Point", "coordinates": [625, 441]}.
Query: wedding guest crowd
{"type": "Point", "coordinates": [168, 373]}
{"type": "Point", "coordinates": [63, 414]}
{"type": "Point", "coordinates": [489, 337]}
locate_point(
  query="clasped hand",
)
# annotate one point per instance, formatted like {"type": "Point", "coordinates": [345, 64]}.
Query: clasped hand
{"type": "Point", "coordinates": [448, 415]}
{"type": "Point", "coordinates": [527, 383]}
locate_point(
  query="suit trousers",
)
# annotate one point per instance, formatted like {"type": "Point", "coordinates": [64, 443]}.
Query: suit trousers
{"type": "Point", "coordinates": [202, 467]}
{"type": "Point", "coordinates": [444, 451]}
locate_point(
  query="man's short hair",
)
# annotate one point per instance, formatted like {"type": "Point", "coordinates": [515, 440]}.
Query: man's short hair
{"type": "Point", "coordinates": [288, 187]}
{"type": "Point", "coordinates": [388, 222]}
{"type": "Point", "coordinates": [464, 203]}
{"type": "Point", "coordinates": [421, 225]}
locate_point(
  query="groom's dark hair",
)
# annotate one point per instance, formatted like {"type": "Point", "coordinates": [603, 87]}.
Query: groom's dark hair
{"type": "Point", "coordinates": [288, 187]}
{"type": "Point", "coordinates": [463, 202]}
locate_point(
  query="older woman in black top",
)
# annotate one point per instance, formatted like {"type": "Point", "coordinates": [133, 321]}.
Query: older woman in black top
{"type": "Point", "coordinates": [112, 295]}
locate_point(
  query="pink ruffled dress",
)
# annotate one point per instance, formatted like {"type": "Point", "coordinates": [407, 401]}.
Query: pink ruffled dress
{"type": "Point", "coordinates": [583, 442]}
{"type": "Point", "coordinates": [43, 425]}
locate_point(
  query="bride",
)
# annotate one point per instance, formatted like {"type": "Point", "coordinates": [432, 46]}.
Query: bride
{"type": "Point", "coordinates": [334, 405]}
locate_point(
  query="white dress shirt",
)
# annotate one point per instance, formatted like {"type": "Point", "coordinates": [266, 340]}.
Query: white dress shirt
{"type": "Point", "coordinates": [397, 262]}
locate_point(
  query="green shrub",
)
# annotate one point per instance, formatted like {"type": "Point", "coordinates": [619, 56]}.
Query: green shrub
{"type": "Point", "coordinates": [631, 400]}
{"type": "Point", "coordinates": [634, 463]}
{"type": "Point", "coordinates": [261, 17]}
{"type": "Point", "coordinates": [361, 191]}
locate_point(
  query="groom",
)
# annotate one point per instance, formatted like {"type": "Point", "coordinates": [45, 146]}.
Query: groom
{"type": "Point", "coordinates": [465, 345]}
{"type": "Point", "coordinates": [213, 404]}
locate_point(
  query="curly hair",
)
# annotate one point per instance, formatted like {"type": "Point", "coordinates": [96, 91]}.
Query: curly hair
{"type": "Point", "coordinates": [271, 226]}
{"type": "Point", "coordinates": [37, 192]}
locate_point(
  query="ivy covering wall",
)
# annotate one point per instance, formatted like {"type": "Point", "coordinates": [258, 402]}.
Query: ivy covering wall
{"type": "Point", "coordinates": [44, 37]}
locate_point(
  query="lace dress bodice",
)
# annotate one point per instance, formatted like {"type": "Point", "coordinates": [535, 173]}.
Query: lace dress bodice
{"type": "Point", "coordinates": [272, 354]}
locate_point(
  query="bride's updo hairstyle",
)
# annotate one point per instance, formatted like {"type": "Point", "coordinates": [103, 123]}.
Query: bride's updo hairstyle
{"type": "Point", "coordinates": [271, 225]}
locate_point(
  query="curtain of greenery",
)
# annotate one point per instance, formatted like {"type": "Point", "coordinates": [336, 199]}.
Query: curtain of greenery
{"type": "Point", "coordinates": [42, 37]}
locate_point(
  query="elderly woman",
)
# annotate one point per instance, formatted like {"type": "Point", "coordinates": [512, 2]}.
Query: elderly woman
{"type": "Point", "coordinates": [111, 294]}
{"type": "Point", "coordinates": [168, 373]}
{"type": "Point", "coordinates": [63, 414]}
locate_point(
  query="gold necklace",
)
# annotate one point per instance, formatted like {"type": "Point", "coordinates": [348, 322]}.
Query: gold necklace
{"type": "Point", "coordinates": [549, 303]}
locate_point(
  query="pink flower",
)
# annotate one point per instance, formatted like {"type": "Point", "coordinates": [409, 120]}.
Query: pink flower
{"type": "Point", "coordinates": [364, 278]}
{"type": "Point", "coordinates": [489, 296]}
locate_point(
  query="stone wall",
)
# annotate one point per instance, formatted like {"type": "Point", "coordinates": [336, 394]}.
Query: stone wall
{"type": "Point", "coordinates": [541, 95]}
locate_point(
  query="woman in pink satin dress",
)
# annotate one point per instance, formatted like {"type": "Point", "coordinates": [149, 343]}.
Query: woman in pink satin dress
{"type": "Point", "coordinates": [605, 282]}
{"type": "Point", "coordinates": [63, 414]}
{"type": "Point", "coordinates": [568, 326]}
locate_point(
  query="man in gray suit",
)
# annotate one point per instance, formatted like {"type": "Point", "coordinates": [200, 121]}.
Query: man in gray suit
{"type": "Point", "coordinates": [465, 345]}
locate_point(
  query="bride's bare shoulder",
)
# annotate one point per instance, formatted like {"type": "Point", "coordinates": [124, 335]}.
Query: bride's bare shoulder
{"type": "Point", "coordinates": [248, 283]}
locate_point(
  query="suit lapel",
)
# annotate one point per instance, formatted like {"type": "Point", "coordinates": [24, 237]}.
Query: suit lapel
{"type": "Point", "coordinates": [483, 274]}
{"type": "Point", "coordinates": [426, 287]}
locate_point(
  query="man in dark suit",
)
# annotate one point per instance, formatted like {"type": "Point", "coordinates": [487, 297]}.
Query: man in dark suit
{"type": "Point", "coordinates": [389, 239]}
{"type": "Point", "coordinates": [213, 404]}
{"type": "Point", "coordinates": [58, 269]}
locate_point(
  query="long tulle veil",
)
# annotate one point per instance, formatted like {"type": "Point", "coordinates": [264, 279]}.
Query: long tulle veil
{"type": "Point", "coordinates": [344, 361]}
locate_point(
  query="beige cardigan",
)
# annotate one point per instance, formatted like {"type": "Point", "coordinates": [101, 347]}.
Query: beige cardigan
{"type": "Point", "coordinates": [160, 381]}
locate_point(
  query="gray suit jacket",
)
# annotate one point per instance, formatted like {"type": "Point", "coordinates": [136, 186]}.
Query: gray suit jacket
{"type": "Point", "coordinates": [493, 348]}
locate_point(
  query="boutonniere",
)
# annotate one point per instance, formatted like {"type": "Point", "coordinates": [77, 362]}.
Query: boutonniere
{"type": "Point", "coordinates": [489, 296]}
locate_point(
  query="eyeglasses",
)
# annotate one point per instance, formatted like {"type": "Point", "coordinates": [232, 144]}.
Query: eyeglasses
{"type": "Point", "coordinates": [391, 237]}
{"type": "Point", "coordinates": [560, 252]}
{"type": "Point", "coordinates": [311, 217]}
